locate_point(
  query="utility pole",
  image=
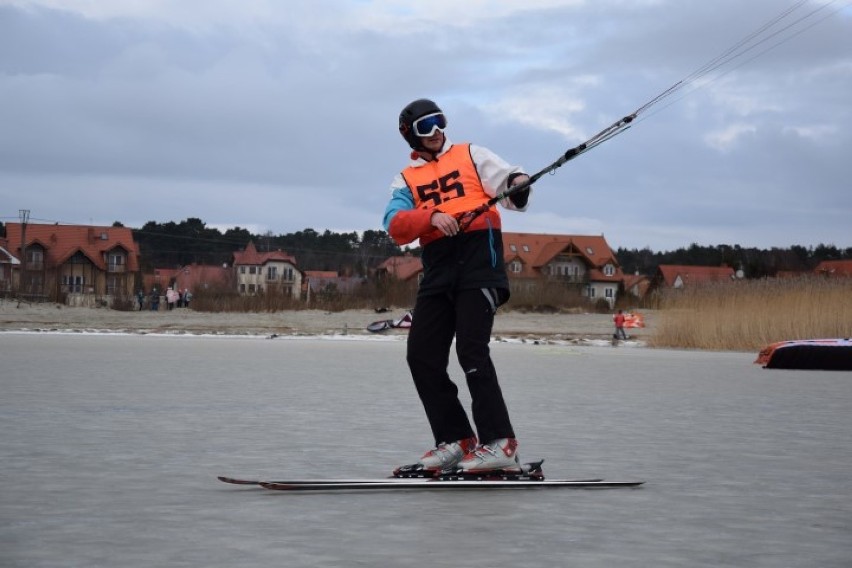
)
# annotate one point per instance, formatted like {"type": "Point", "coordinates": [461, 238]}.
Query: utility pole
{"type": "Point", "coordinates": [24, 216]}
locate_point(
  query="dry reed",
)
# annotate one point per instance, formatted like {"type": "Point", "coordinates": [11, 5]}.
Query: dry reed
{"type": "Point", "coordinates": [750, 314]}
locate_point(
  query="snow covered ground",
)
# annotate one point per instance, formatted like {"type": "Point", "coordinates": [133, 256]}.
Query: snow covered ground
{"type": "Point", "coordinates": [111, 444]}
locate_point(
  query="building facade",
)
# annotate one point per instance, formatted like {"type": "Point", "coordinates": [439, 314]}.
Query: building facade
{"type": "Point", "coordinates": [584, 262]}
{"type": "Point", "coordinates": [262, 272]}
{"type": "Point", "coordinates": [73, 264]}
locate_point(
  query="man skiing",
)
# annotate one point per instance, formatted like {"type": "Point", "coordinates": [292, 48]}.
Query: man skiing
{"type": "Point", "coordinates": [464, 282]}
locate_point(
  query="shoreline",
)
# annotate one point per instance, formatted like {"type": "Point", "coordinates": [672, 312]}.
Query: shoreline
{"type": "Point", "coordinates": [586, 328]}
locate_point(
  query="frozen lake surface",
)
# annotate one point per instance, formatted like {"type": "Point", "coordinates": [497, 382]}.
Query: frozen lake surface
{"type": "Point", "coordinates": [111, 446]}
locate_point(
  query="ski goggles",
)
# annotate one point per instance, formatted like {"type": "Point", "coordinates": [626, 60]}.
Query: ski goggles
{"type": "Point", "coordinates": [427, 125]}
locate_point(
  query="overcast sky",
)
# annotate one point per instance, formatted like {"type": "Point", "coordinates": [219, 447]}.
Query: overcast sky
{"type": "Point", "coordinates": [280, 116]}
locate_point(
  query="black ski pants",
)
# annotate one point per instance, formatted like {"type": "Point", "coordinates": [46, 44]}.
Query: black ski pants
{"type": "Point", "coordinates": [469, 317]}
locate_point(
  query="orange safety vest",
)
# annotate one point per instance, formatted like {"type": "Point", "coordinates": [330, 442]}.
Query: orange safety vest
{"type": "Point", "coordinates": [451, 185]}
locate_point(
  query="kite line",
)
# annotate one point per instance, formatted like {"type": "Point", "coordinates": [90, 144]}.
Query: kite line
{"type": "Point", "coordinates": [783, 27]}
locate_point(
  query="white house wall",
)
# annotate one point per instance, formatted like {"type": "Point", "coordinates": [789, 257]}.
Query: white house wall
{"type": "Point", "coordinates": [259, 280]}
{"type": "Point", "coordinates": [600, 291]}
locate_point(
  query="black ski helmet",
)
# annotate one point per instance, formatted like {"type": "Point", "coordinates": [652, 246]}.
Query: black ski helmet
{"type": "Point", "coordinates": [411, 112]}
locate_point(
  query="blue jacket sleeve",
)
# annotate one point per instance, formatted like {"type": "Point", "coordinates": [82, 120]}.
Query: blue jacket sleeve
{"type": "Point", "coordinates": [401, 200]}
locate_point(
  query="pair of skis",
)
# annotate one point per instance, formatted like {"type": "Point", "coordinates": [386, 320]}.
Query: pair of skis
{"type": "Point", "coordinates": [531, 477]}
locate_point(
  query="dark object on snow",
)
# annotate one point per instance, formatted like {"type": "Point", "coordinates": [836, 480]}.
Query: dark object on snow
{"type": "Point", "coordinates": [403, 322]}
{"type": "Point", "coordinates": [814, 354]}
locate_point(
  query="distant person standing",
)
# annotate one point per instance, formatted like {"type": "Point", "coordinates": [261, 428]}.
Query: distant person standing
{"type": "Point", "coordinates": [140, 297]}
{"type": "Point", "coordinates": [619, 325]}
{"type": "Point", "coordinates": [171, 298]}
{"type": "Point", "coordinates": [155, 300]}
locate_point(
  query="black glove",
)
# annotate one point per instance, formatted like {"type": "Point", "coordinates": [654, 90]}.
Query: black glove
{"type": "Point", "coordinates": [520, 198]}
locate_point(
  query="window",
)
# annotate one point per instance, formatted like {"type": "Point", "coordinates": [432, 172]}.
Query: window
{"type": "Point", "coordinates": [35, 259]}
{"type": "Point", "coordinates": [272, 273]}
{"type": "Point", "coordinates": [609, 270]}
{"type": "Point", "coordinates": [526, 248]}
{"type": "Point", "coordinates": [252, 269]}
{"type": "Point", "coordinates": [242, 271]}
{"type": "Point", "coordinates": [515, 267]}
{"type": "Point", "coordinates": [609, 293]}
{"type": "Point", "coordinates": [73, 284]}
{"type": "Point", "coordinates": [513, 248]}
{"type": "Point", "coordinates": [115, 262]}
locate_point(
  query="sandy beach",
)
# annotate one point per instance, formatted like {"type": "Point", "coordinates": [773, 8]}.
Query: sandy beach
{"type": "Point", "coordinates": [508, 324]}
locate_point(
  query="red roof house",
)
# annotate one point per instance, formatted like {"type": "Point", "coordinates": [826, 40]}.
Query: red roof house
{"type": "Point", "coordinates": [680, 276]}
{"type": "Point", "coordinates": [319, 282]}
{"type": "Point", "coordinates": [401, 267]}
{"type": "Point", "coordinates": [74, 263]}
{"type": "Point", "coordinates": [258, 272]}
{"type": "Point", "coordinates": [585, 260]}
{"type": "Point", "coordinates": [7, 261]}
{"type": "Point", "coordinates": [636, 285]}
{"type": "Point", "coordinates": [192, 277]}
{"type": "Point", "coordinates": [834, 268]}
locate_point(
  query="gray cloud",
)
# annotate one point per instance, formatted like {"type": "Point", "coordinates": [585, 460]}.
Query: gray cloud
{"type": "Point", "coordinates": [280, 118]}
